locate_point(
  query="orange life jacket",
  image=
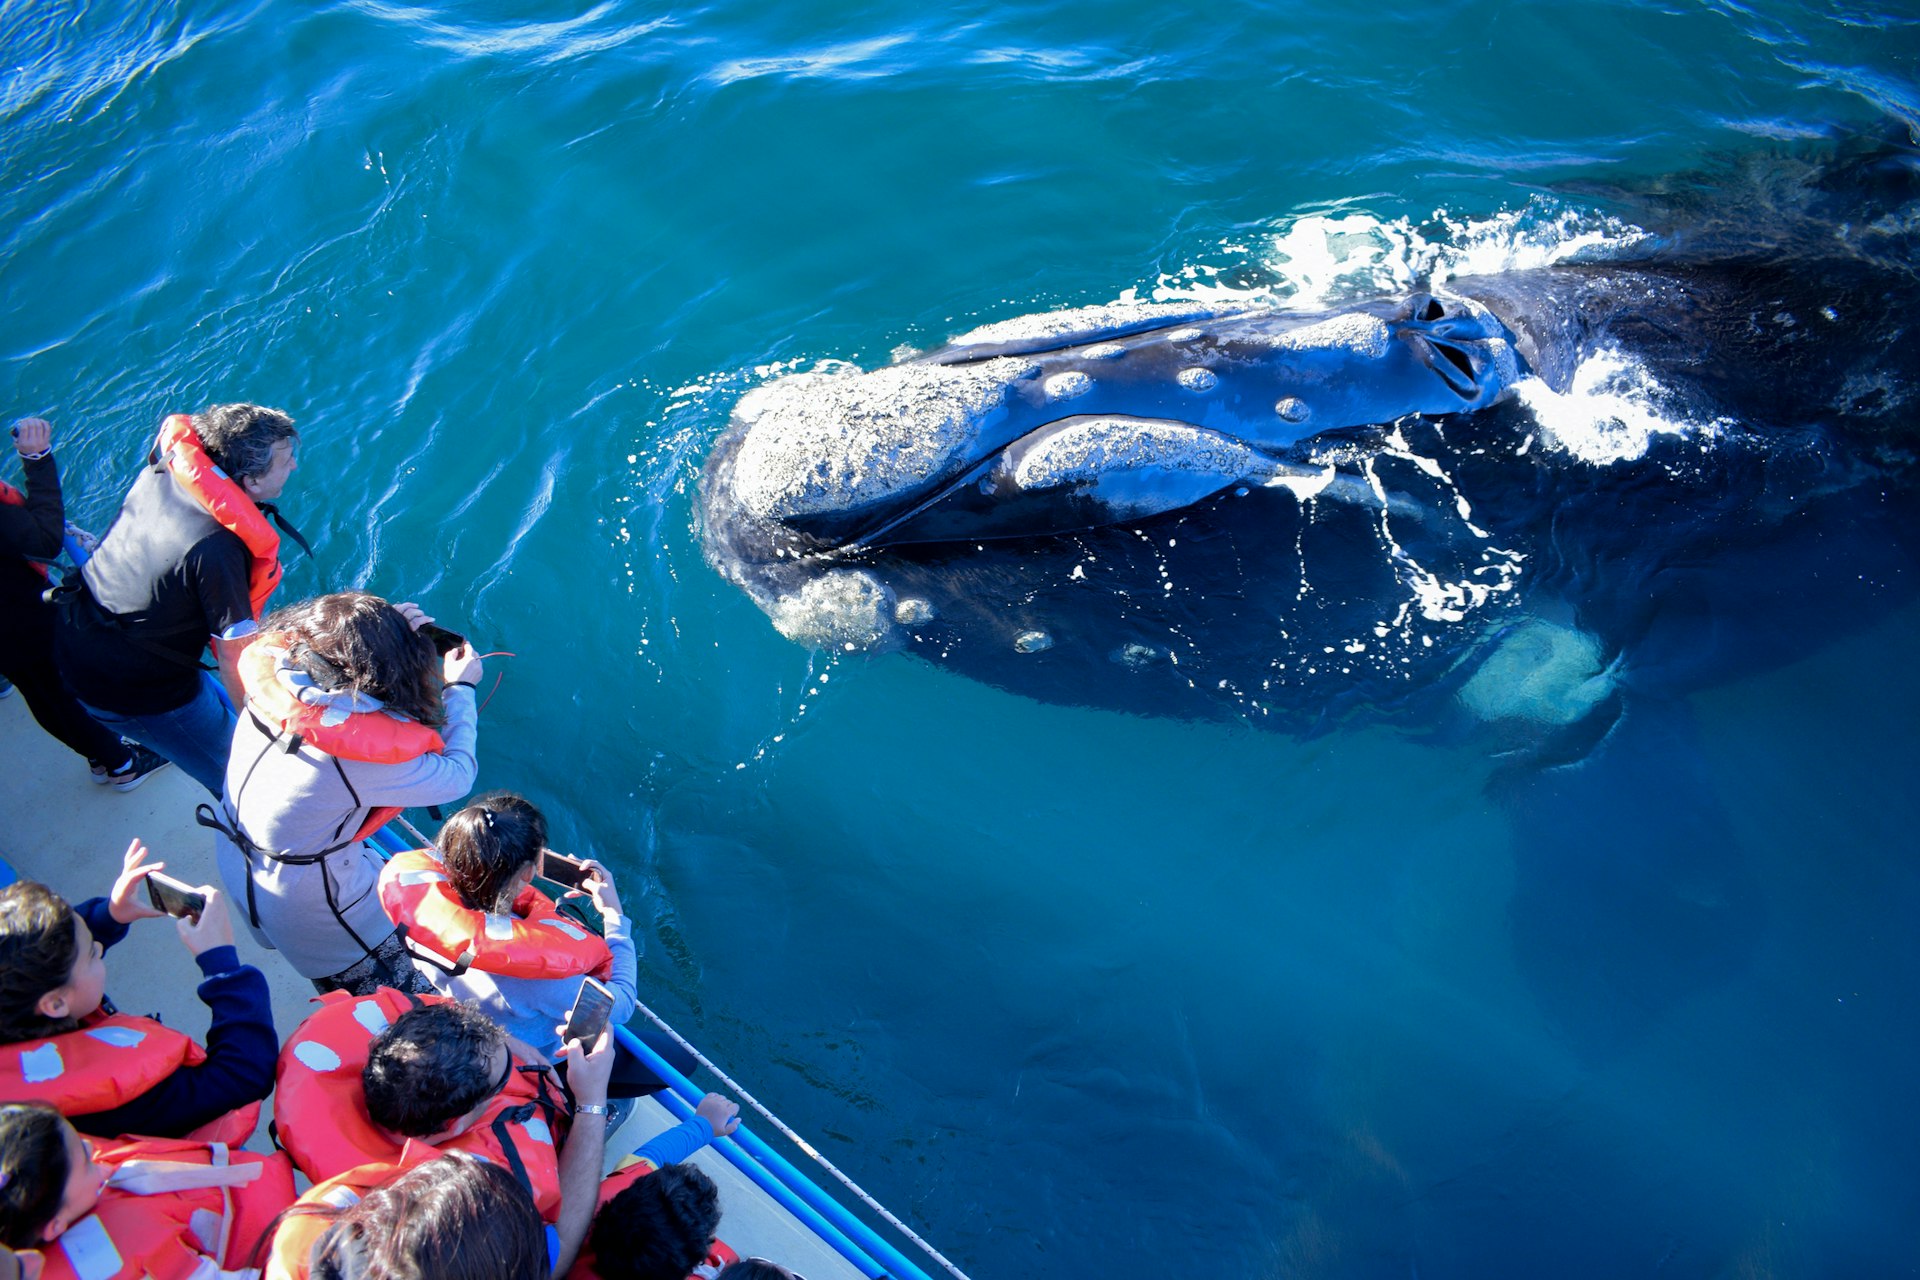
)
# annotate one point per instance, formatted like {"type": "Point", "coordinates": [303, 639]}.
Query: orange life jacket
{"type": "Point", "coordinates": [12, 497]}
{"type": "Point", "coordinates": [108, 1061]}
{"type": "Point", "coordinates": [375, 737]}
{"type": "Point", "coordinates": [170, 1207]}
{"type": "Point", "coordinates": [292, 1252]}
{"type": "Point", "coordinates": [719, 1254]}
{"type": "Point", "coordinates": [536, 941]}
{"type": "Point", "coordinates": [322, 1107]}
{"type": "Point", "coordinates": [180, 451]}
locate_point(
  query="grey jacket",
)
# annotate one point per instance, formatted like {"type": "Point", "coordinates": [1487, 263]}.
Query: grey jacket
{"type": "Point", "coordinates": [299, 803]}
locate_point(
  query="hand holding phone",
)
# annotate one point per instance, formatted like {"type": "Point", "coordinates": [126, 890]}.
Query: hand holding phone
{"type": "Point", "coordinates": [444, 641]}
{"type": "Point", "coordinates": [173, 898]}
{"type": "Point", "coordinates": [214, 927]}
{"type": "Point", "coordinates": [567, 872]}
{"type": "Point", "coordinates": [591, 1009]}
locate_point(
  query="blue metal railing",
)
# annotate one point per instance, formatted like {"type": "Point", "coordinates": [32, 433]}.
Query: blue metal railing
{"type": "Point", "coordinates": [747, 1152]}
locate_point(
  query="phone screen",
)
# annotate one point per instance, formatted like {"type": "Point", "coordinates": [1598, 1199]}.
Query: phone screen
{"type": "Point", "coordinates": [562, 870]}
{"type": "Point", "coordinates": [444, 641]}
{"type": "Point", "coordinates": [588, 1018]}
{"type": "Point", "coordinates": [176, 899]}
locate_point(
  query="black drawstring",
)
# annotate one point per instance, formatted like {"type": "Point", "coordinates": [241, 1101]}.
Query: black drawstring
{"type": "Point", "coordinates": [273, 513]}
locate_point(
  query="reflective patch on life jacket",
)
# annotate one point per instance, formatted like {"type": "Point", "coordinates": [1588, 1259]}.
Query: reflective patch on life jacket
{"type": "Point", "coordinates": [90, 1250]}
{"type": "Point", "coordinates": [315, 1056]}
{"type": "Point", "coordinates": [370, 1015]}
{"type": "Point", "coordinates": [571, 930]}
{"type": "Point", "coordinates": [537, 1130]}
{"type": "Point", "coordinates": [207, 1227]}
{"type": "Point", "coordinates": [421, 877]}
{"type": "Point", "coordinates": [499, 928]}
{"type": "Point", "coordinates": [42, 1064]}
{"type": "Point", "coordinates": [118, 1037]}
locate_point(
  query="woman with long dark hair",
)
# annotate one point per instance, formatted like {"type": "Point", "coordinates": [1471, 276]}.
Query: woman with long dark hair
{"type": "Point", "coordinates": [351, 715]}
{"type": "Point", "coordinates": [453, 1218]}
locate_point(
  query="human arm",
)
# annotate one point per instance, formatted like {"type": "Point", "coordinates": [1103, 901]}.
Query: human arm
{"type": "Point", "coordinates": [585, 1149]}
{"type": "Point", "coordinates": [218, 568]}
{"type": "Point", "coordinates": [437, 777]}
{"type": "Point", "coordinates": [227, 654]}
{"type": "Point", "coordinates": [242, 1044]}
{"type": "Point", "coordinates": [36, 528]}
{"type": "Point", "coordinates": [624, 976]}
{"type": "Point", "coordinates": [107, 918]}
{"type": "Point", "coordinates": [715, 1117]}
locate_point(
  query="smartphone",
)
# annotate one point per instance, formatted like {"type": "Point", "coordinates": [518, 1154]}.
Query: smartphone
{"type": "Point", "coordinates": [562, 870]}
{"type": "Point", "coordinates": [444, 641]}
{"type": "Point", "coordinates": [588, 1017]}
{"type": "Point", "coordinates": [176, 899]}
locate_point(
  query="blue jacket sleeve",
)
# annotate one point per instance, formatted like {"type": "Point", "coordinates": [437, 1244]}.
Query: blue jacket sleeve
{"type": "Point", "coordinates": [677, 1143]}
{"type": "Point", "coordinates": [106, 930]}
{"type": "Point", "coordinates": [241, 1049]}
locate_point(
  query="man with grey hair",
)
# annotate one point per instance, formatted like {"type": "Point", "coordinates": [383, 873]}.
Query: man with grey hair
{"type": "Point", "coordinates": [191, 558]}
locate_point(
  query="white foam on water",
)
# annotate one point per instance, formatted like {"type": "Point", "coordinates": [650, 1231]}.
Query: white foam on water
{"type": "Point", "coordinates": [1320, 260]}
{"type": "Point", "coordinates": [1613, 412]}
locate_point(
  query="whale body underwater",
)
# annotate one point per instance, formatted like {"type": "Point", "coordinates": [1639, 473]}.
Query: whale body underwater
{"type": "Point", "coordinates": [1302, 519]}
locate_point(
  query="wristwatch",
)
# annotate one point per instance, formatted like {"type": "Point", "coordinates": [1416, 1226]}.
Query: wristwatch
{"type": "Point", "coordinates": [589, 1109]}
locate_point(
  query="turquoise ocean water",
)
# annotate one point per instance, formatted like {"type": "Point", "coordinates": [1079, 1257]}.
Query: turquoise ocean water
{"type": "Point", "coordinates": [1077, 993]}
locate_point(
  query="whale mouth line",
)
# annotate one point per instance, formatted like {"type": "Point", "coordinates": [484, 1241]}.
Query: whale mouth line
{"type": "Point", "coordinates": [1451, 362]}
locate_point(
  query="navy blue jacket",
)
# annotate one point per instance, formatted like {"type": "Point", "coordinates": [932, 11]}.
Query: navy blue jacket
{"type": "Point", "coordinates": [242, 1047]}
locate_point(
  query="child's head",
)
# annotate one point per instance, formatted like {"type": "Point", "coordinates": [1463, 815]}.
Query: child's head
{"type": "Point", "coordinates": [52, 972]}
{"type": "Point", "coordinates": [48, 1179]}
{"type": "Point", "coordinates": [491, 850]}
{"type": "Point", "coordinates": [659, 1228]}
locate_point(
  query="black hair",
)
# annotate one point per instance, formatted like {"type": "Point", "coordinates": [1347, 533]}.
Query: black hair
{"type": "Point", "coordinates": [486, 844]}
{"type": "Point", "coordinates": [240, 437]}
{"type": "Point", "coordinates": [38, 947]}
{"type": "Point", "coordinates": [355, 641]}
{"type": "Point", "coordinates": [754, 1269]}
{"type": "Point", "coordinates": [33, 1171]}
{"type": "Point", "coordinates": [432, 1066]}
{"type": "Point", "coordinates": [454, 1218]}
{"type": "Point", "coordinates": [659, 1228]}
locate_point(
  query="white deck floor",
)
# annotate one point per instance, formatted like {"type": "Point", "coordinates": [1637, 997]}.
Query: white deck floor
{"type": "Point", "coordinates": [62, 829]}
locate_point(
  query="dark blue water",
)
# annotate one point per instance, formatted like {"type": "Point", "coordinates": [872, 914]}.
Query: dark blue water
{"type": "Point", "coordinates": [1074, 991]}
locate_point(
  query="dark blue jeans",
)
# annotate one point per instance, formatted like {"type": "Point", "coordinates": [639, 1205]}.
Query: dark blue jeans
{"type": "Point", "coordinates": [197, 736]}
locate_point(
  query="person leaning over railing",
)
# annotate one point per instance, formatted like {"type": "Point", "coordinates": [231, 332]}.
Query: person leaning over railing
{"type": "Point", "coordinates": [189, 559]}
{"type": "Point", "coordinates": [480, 931]}
{"type": "Point", "coordinates": [63, 1043]}
{"type": "Point", "coordinates": [350, 717]}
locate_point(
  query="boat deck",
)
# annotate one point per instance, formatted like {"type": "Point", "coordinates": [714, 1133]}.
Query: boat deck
{"type": "Point", "coordinates": [64, 830]}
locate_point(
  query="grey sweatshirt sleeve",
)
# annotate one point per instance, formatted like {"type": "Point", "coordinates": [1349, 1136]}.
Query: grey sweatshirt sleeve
{"type": "Point", "coordinates": [624, 980]}
{"type": "Point", "coordinates": [437, 778]}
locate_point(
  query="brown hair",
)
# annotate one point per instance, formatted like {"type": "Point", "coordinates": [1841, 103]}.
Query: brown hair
{"type": "Point", "coordinates": [38, 946]}
{"type": "Point", "coordinates": [454, 1218]}
{"type": "Point", "coordinates": [33, 1171]}
{"type": "Point", "coordinates": [486, 844]}
{"type": "Point", "coordinates": [353, 641]}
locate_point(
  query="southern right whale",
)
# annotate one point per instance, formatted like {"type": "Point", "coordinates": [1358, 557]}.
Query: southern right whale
{"type": "Point", "coordinates": [1300, 519]}
{"type": "Point", "coordinates": [1377, 513]}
